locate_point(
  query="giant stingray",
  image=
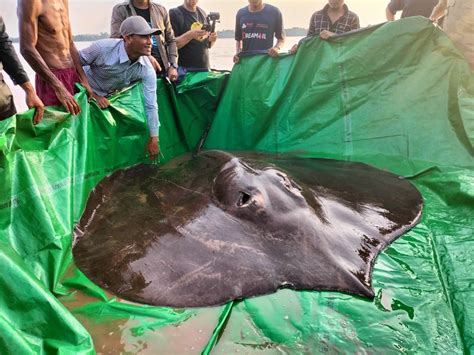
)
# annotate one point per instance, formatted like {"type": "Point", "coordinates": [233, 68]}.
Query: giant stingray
{"type": "Point", "coordinates": [203, 231]}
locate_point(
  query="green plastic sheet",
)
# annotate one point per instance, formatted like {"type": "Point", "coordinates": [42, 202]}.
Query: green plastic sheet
{"type": "Point", "coordinates": [399, 96]}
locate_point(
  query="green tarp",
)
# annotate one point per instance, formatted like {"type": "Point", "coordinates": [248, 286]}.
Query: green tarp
{"type": "Point", "coordinates": [398, 96]}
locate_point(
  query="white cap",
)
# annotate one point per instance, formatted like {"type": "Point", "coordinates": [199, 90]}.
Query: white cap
{"type": "Point", "coordinates": [137, 25]}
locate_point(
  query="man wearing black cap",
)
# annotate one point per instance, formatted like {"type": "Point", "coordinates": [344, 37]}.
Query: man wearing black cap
{"type": "Point", "coordinates": [114, 64]}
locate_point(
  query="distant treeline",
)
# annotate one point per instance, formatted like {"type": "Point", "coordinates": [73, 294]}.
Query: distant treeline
{"type": "Point", "coordinates": [290, 32]}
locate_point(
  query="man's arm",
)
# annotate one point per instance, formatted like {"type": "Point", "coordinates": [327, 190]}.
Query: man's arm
{"type": "Point", "coordinates": [87, 56]}
{"type": "Point", "coordinates": [172, 49]}
{"type": "Point", "coordinates": [238, 39]}
{"type": "Point", "coordinates": [80, 71]}
{"type": "Point", "coordinates": [14, 69]}
{"type": "Point", "coordinates": [312, 26]}
{"type": "Point", "coordinates": [439, 10]}
{"type": "Point", "coordinates": [212, 39]}
{"type": "Point", "coordinates": [280, 35]}
{"type": "Point", "coordinates": [311, 32]}
{"type": "Point", "coordinates": [170, 39]}
{"type": "Point", "coordinates": [392, 8]}
{"type": "Point", "coordinates": [32, 100]}
{"type": "Point", "coordinates": [238, 49]}
{"type": "Point", "coordinates": [28, 13]}
{"type": "Point", "coordinates": [10, 61]}
{"type": "Point", "coordinates": [185, 37]}
{"type": "Point", "coordinates": [151, 110]}
{"type": "Point", "coordinates": [355, 25]}
{"type": "Point", "coordinates": [389, 15]}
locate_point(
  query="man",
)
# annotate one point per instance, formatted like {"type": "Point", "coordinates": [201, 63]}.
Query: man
{"type": "Point", "coordinates": [189, 24]}
{"type": "Point", "coordinates": [114, 64]}
{"type": "Point", "coordinates": [46, 44]}
{"type": "Point", "coordinates": [9, 61]}
{"type": "Point", "coordinates": [458, 24]}
{"type": "Point", "coordinates": [409, 8]}
{"type": "Point", "coordinates": [255, 27]}
{"type": "Point", "coordinates": [334, 18]}
{"type": "Point", "coordinates": [163, 49]}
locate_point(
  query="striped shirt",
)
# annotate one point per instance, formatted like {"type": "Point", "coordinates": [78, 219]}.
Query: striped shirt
{"type": "Point", "coordinates": [320, 21]}
{"type": "Point", "coordinates": [109, 69]}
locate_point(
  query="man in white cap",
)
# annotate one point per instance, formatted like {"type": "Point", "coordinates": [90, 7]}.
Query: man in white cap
{"type": "Point", "coordinates": [114, 64]}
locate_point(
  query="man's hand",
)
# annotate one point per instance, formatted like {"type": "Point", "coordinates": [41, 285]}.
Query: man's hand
{"type": "Point", "coordinates": [172, 73]}
{"type": "Point", "coordinates": [154, 64]}
{"type": "Point", "coordinates": [32, 100]}
{"type": "Point", "coordinates": [153, 148]}
{"type": "Point", "coordinates": [274, 51]}
{"type": "Point", "coordinates": [293, 49]}
{"type": "Point", "coordinates": [67, 100]}
{"type": "Point", "coordinates": [89, 91]}
{"type": "Point", "coordinates": [438, 11]}
{"type": "Point", "coordinates": [236, 59]}
{"type": "Point", "coordinates": [198, 35]}
{"type": "Point", "coordinates": [212, 37]}
{"type": "Point", "coordinates": [325, 34]}
{"type": "Point", "coordinates": [102, 101]}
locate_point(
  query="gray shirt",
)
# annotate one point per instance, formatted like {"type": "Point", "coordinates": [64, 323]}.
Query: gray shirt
{"type": "Point", "coordinates": [109, 69]}
{"type": "Point", "coordinates": [159, 19]}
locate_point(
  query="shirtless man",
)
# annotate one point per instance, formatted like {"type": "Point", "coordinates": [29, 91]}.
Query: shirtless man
{"type": "Point", "coordinates": [46, 44]}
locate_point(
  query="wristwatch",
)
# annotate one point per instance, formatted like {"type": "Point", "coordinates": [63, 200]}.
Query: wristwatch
{"type": "Point", "coordinates": [174, 65]}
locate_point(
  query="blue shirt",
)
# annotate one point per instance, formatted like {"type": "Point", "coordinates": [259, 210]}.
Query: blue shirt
{"type": "Point", "coordinates": [109, 69]}
{"type": "Point", "coordinates": [257, 29]}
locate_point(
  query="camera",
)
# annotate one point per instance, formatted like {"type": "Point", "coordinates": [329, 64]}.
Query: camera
{"type": "Point", "coordinates": [206, 27]}
{"type": "Point", "coordinates": [212, 18]}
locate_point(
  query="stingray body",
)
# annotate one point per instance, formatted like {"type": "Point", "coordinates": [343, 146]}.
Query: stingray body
{"type": "Point", "coordinates": [203, 231]}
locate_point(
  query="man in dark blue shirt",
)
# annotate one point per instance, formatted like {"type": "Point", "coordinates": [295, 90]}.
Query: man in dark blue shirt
{"type": "Point", "coordinates": [255, 27]}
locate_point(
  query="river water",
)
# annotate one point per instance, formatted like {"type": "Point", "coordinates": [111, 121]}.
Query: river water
{"type": "Point", "coordinates": [220, 55]}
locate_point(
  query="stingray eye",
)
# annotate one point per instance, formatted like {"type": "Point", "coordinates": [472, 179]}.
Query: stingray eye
{"type": "Point", "coordinates": [289, 184]}
{"type": "Point", "coordinates": [284, 179]}
{"type": "Point", "coordinates": [244, 199]}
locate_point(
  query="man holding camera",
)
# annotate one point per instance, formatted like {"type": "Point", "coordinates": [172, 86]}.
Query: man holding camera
{"type": "Point", "coordinates": [194, 35]}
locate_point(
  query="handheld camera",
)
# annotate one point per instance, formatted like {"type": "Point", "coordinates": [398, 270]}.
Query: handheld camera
{"type": "Point", "coordinates": [212, 18]}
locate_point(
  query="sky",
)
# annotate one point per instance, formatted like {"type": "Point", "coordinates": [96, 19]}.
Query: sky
{"type": "Point", "coordinates": [90, 17]}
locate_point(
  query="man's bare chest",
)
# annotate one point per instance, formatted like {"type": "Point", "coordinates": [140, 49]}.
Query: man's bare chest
{"type": "Point", "coordinates": [54, 17]}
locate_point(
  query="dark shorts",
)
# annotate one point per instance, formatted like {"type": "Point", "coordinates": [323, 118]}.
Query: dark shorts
{"type": "Point", "coordinates": [46, 93]}
{"type": "Point", "coordinates": [7, 106]}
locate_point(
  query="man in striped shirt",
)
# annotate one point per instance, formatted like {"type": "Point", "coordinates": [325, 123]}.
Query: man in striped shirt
{"type": "Point", "coordinates": [334, 18]}
{"type": "Point", "coordinates": [113, 64]}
